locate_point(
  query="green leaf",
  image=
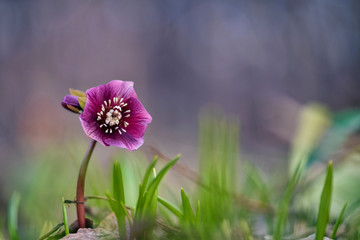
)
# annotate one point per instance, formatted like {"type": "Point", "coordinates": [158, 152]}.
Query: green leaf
{"type": "Point", "coordinates": [13, 216]}
{"type": "Point", "coordinates": [198, 214]}
{"type": "Point", "coordinates": [188, 215]}
{"type": "Point", "coordinates": [148, 196]}
{"type": "Point", "coordinates": [256, 182]}
{"type": "Point", "coordinates": [82, 101]}
{"type": "Point", "coordinates": [52, 231]}
{"type": "Point", "coordinates": [66, 224]}
{"type": "Point", "coordinates": [119, 196]}
{"type": "Point", "coordinates": [283, 208]}
{"type": "Point", "coordinates": [146, 176]}
{"type": "Point", "coordinates": [118, 183]}
{"type": "Point", "coordinates": [77, 93]}
{"type": "Point", "coordinates": [126, 213]}
{"type": "Point", "coordinates": [119, 212]}
{"type": "Point", "coordinates": [338, 221]}
{"type": "Point", "coordinates": [142, 188]}
{"type": "Point", "coordinates": [154, 184]}
{"type": "Point", "coordinates": [325, 204]}
{"type": "Point", "coordinates": [150, 203]}
{"type": "Point", "coordinates": [114, 207]}
{"type": "Point", "coordinates": [170, 207]}
{"type": "Point", "coordinates": [218, 150]}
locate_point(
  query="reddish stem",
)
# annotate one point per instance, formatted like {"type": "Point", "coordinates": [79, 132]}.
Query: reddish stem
{"type": "Point", "coordinates": [80, 189]}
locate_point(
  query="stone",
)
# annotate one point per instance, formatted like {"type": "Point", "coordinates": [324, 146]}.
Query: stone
{"type": "Point", "coordinates": [91, 234]}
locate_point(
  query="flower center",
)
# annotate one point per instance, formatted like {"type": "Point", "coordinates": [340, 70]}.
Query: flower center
{"type": "Point", "coordinates": [112, 114]}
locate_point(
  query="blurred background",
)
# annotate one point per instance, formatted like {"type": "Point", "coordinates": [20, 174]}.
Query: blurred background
{"type": "Point", "coordinates": [259, 61]}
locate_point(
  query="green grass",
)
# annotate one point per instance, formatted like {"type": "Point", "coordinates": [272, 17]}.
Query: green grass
{"type": "Point", "coordinates": [226, 197]}
{"type": "Point", "coordinates": [338, 221]}
{"type": "Point", "coordinates": [13, 216]}
{"type": "Point", "coordinates": [283, 208]}
{"type": "Point", "coordinates": [325, 204]}
{"type": "Point", "coordinates": [66, 223]}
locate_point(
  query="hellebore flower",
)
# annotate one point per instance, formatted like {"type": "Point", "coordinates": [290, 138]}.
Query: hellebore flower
{"type": "Point", "coordinates": [113, 115]}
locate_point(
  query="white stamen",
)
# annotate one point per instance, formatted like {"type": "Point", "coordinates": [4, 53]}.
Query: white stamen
{"type": "Point", "coordinates": [109, 102]}
{"type": "Point", "coordinates": [105, 103]}
{"type": "Point", "coordinates": [127, 111]}
{"type": "Point", "coordinates": [98, 118]}
{"type": "Point", "coordinates": [107, 130]}
{"type": "Point", "coordinates": [125, 105]}
{"type": "Point", "coordinates": [121, 99]}
{"type": "Point", "coordinates": [119, 131]}
{"type": "Point", "coordinates": [110, 130]}
{"type": "Point", "coordinates": [126, 123]}
{"type": "Point", "coordinates": [127, 115]}
{"type": "Point", "coordinates": [123, 130]}
{"type": "Point", "coordinates": [98, 114]}
{"type": "Point", "coordinates": [102, 125]}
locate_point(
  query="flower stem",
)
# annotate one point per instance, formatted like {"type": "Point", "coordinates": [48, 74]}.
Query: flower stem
{"type": "Point", "coordinates": [80, 189]}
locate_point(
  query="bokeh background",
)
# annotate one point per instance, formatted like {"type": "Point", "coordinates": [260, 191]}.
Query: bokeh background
{"type": "Point", "coordinates": [256, 60]}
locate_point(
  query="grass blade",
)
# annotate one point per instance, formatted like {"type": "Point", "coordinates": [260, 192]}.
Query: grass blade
{"type": "Point", "coordinates": [188, 216]}
{"type": "Point", "coordinates": [118, 185]}
{"type": "Point", "coordinates": [52, 231]}
{"type": "Point", "coordinates": [147, 175]}
{"type": "Point", "coordinates": [246, 232]}
{"type": "Point", "coordinates": [119, 213]}
{"type": "Point", "coordinates": [119, 196]}
{"type": "Point", "coordinates": [66, 224]}
{"type": "Point", "coordinates": [154, 184]}
{"type": "Point", "coordinates": [170, 207]}
{"type": "Point", "coordinates": [325, 204]}
{"type": "Point", "coordinates": [13, 216]}
{"type": "Point", "coordinates": [283, 208]}
{"type": "Point", "coordinates": [338, 221]}
{"type": "Point", "coordinates": [127, 214]}
{"type": "Point", "coordinates": [198, 214]}
{"type": "Point", "coordinates": [146, 207]}
{"type": "Point", "coordinates": [142, 187]}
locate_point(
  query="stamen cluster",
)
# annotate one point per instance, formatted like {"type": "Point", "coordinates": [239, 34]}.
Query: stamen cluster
{"type": "Point", "coordinates": [110, 118]}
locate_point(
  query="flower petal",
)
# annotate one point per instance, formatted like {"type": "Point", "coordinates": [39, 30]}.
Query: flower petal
{"type": "Point", "coordinates": [124, 141]}
{"type": "Point", "coordinates": [122, 89]}
{"type": "Point", "coordinates": [138, 120]}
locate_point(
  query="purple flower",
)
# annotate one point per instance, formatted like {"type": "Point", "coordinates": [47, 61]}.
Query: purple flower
{"type": "Point", "coordinates": [113, 115]}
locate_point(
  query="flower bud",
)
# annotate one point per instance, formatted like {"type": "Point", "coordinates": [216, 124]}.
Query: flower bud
{"type": "Point", "coordinates": [71, 103]}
